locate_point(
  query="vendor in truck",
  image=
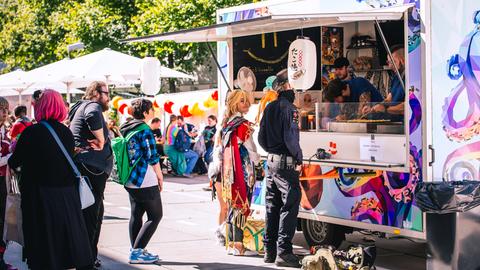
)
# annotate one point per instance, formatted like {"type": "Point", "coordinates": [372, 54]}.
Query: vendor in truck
{"type": "Point", "coordinates": [337, 93]}
{"type": "Point", "coordinates": [357, 85]}
{"type": "Point", "coordinates": [394, 104]}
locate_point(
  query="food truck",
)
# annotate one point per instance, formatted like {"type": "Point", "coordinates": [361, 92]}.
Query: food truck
{"type": "Point", "coordinates": [375, 161]}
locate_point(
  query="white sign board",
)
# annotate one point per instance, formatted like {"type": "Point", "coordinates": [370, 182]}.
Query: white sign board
{"type": "Point", "coordinates": [372, 149]}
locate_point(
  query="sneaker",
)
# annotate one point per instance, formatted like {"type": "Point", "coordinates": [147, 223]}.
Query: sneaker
{"type": "Point", "coordinates": [139, 256]}
{"type": "Point", "coordinates": [246, 252]}
{"type": "Point", "coordinates": [269, 257]}
{"type": "Point", "coordinates": [186, 175]}
{"type": "Point", "coordinates": [287, 260]}
{"type": "Point", "coordinates": [220, 237]}
{"type": "Point", "coordinates": [145, 251]}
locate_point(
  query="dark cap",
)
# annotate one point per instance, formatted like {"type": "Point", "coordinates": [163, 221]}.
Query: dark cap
{"type": "Point", "coordinates": [334, 89]}
{"type": "Point", "coordinates": [341, 62]}
{"type": "Point", "coordinates": [280, 80]}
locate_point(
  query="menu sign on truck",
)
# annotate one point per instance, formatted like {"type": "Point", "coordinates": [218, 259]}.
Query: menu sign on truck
{"type": "Point", "coordinates": [372, 148]}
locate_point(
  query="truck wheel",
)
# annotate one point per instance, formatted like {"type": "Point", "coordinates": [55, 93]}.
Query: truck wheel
{"type": "Point", "coordinates": [319, 233]}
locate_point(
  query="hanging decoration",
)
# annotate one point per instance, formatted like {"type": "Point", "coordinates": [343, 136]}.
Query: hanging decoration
{"type": "Point", "coordinates": [155, 104]}
{"type": "Point", "coordinates": [184, 111]}
{"type": "Point", "coordinates": [195, 110]}
{"type": "Point", "coordinates": [215, 95]}
{"type": "Point", "coordinates": [115, 101]}
{"type": "Point", "coordinates": [122, 108]}
{"type": "Point", "coordinates": [302, 63]}
{"type": "Point", "coordinates": [150, 75]}
{"type": "Point", "coordinates": [167, 106]}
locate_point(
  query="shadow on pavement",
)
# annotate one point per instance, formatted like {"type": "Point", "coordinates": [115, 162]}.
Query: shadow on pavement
{"type": "Point", "coordinates": [110, 263]}
{"type": "Point", "coordinates": [212, 266]}
{"type": "Point", "coordinates": [199, 179]}
{"type": "Point", "coordinates": [106, 217]}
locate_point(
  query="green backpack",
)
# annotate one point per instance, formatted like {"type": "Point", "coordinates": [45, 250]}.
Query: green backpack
{"type": "Point", "coordinates": [121, 162]}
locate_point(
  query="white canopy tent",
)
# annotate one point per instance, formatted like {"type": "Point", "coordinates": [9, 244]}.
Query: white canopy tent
{"type": "Point", "coordinates": [105, 65]}
{"type": "Point", "coordinates": [115, 65]}
{"type": "Point", "coordinates": [57, 86]}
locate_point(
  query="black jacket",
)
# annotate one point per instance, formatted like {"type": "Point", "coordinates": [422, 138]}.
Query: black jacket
{"type": "Point", "coordinates": [279, 132]}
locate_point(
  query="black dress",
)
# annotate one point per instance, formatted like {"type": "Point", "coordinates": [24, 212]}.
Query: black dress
{"type": "Point", "coordinates": [54, 230]}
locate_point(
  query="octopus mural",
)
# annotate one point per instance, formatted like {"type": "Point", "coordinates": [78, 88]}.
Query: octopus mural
{"type": "Point", "coordinates": [381, 209]}
{"type": "Point", "coordinates": [464, 163]}
{"type": "Point", "coordinates": [393, 191]}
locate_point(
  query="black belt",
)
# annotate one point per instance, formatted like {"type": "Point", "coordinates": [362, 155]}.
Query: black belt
{"type": "Point", "coordinates": [286, 161]}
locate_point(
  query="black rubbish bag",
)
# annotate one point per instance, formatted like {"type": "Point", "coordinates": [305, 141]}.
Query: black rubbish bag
{"type": "Point", "coordinates": [447, 197]}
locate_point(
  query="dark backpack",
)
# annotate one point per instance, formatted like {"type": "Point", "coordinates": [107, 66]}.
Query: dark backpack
{"type": "Point", "coordinates": [182, 141]}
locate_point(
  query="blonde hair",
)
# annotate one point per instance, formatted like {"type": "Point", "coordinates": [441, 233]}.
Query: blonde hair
{"type": "Point", "coordinates": [232, 102]}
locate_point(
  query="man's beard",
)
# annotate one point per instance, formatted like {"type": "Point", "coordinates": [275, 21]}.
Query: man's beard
{"type": "Point", "coordinates": [104, 105]}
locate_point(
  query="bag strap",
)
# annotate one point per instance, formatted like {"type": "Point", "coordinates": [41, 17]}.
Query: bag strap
{"type": "Point", "coordinates": [60, 144]}
{"type": "Point", "coordinates": [132, 133]}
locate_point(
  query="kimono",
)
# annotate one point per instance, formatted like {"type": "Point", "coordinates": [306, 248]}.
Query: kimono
{"type": "Point", "coordinates": [239, 157]}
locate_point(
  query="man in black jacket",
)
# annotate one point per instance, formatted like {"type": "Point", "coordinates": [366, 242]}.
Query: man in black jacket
{"type": "Point", "coordinates": [279, 136]}
{"type": "Point", "coordinates": [94, 153]}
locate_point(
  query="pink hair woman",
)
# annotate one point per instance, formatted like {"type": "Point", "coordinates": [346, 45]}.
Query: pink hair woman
{"type": "Point", "coordinates": [55, 235]}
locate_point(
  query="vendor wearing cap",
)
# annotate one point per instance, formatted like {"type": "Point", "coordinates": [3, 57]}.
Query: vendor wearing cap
{"type": "Point", "coordinates": [279, 136]}
{"type": "Point", "coordinates": [357, 85]}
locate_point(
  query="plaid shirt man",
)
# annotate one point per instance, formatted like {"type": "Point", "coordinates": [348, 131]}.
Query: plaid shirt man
{"type": "Point", "coordinates": [142, 145]}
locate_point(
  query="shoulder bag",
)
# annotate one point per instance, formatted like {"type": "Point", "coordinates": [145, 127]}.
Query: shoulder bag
{"type": "Point", "coordinates": [84, 189]}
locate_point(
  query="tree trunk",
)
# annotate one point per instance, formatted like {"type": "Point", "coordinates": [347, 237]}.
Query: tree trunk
{"type": "Point", "coordinates": [171, 82]}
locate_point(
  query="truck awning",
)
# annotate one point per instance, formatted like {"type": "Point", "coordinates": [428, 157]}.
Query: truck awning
{"type": "Point", "coordinates": [280, 18]}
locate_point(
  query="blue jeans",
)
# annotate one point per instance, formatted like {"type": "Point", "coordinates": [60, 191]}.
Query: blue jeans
{"type": "Point", "coordinates": [191, 158]}
{"type": "Point", "coordinates": [208, 155]}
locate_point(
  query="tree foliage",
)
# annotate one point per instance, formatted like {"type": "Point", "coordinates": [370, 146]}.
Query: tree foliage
{"type": "Point", "coordinates": [34, 33]}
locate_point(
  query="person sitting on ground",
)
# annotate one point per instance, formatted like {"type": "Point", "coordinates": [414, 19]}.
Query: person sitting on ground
{"type": "Point", "coordinates": [177, 158]}
{"type": "Point", "coordinates": [159, 139]}
{"type": "Point", "coordinates": [144, 184]}
{"type": "Point", "coordinates": [208, 135]}
{"type": "Point", "coordinates": [191, 156]}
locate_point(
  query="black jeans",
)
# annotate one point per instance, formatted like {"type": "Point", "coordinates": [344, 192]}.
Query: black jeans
{"type": "Point", "coordinates": [93, 214]}
{"type": "Point", "coordinates": [282, 202]}
{"type": "Point", "coordinates": [144, 200]}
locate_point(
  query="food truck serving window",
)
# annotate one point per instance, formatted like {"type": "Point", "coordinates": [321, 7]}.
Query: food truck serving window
{"type": "Point", "coordinates": [360, 133]}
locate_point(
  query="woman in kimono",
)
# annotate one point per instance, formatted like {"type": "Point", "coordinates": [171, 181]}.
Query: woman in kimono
{"type": "Point", "coordinates": [239, 156]}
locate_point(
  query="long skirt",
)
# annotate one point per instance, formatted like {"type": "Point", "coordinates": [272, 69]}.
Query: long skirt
{"type": "Point", "coordinates": [54, 230]}
{"type": "Point", "coordinates": [177, 159]}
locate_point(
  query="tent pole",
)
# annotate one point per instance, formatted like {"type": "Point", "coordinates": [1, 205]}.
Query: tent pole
{"type": "Point", "coordinates": [68, 91]}
{"type": "Point", "coordinates": [218, 65]}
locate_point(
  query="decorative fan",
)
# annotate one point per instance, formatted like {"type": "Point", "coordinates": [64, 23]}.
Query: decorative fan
{"type": "Point", "coordinates": [246, 79]}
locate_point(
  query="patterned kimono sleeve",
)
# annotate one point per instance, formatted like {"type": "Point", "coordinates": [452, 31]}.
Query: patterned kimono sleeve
{"type": "Point", "coordinates": [245, 132]}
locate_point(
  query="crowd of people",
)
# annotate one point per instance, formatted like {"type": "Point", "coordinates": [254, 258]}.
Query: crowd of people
{"type": "Point", "coordinates": [59, 234]}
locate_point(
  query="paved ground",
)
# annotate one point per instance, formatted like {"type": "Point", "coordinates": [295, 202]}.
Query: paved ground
{"type": "Point", "coordinates": [184, 239]}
